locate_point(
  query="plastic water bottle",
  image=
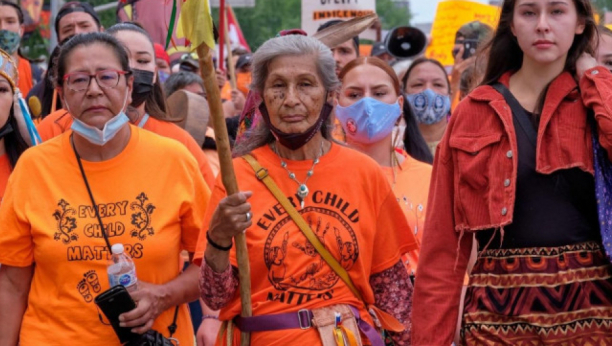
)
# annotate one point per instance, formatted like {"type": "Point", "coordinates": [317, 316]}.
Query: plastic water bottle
{"type": "Point", "coordinates": [121, 269]}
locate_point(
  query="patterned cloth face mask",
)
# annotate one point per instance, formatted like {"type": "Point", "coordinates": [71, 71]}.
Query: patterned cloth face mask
{"type": "Point", "coordinates": [428, 106]}
{"type": "Point", "coordinates": [9, 41]}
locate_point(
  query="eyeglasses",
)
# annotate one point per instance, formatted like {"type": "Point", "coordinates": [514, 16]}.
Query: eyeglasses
{"type": "Point", "coordinates": [79, 81]}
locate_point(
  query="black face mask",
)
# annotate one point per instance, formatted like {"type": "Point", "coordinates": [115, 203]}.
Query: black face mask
{"type": "Point", "coordinates": [143, 86]}
{"type": "Point", "coordinates": [5, 130]}
{"type": "Point", "coordinates": [295, 141]}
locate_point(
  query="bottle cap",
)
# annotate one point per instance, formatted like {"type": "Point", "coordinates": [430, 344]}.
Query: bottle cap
{"type": "Point", "coordinates": [117, 249]}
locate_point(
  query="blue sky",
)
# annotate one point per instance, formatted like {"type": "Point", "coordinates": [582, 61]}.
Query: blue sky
{"type": "Point", "coordinates": [423, 11]}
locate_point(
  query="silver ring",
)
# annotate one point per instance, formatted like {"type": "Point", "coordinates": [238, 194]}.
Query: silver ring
{"type": "Point", "coordinates": [248, 216]}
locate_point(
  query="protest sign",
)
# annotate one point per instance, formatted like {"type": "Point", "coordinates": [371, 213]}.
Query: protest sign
{"type": "Point", "coordinates": [317, 12]}
{"type": "Point", "coordinates": [450, 16]}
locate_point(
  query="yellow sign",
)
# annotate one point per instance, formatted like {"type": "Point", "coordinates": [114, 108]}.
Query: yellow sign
{"type": "Point", "coordinates": [450, 16]}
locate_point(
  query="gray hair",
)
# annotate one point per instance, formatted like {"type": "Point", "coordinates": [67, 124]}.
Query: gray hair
{"type": "Point", "coordinates": [180, 80]}
{"type": "Point", "coordinates": [298, 46]}
{"type": "Point", "coordinates": [291, 45]}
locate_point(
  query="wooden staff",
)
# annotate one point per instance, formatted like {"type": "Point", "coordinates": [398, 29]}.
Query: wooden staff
{"type": "Point", "coordinates": [227, 173]}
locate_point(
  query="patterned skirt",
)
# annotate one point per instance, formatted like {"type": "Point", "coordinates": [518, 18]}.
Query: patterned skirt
{"type": "Point", "coordinates": [540, 296]}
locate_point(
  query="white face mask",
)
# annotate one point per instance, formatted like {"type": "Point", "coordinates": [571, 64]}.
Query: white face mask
{"type": "Point", "coordinates": [93, 134]}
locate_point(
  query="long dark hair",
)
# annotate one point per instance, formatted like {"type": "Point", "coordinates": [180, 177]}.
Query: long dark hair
{"type": "Point", "coordinates": [414, 143]}
{"type": "Point", "coordinates": [503, 47]}
{"type": "Point", "coordinates": [48, 91]}
{"type": "Point", "coordinates": [14, 144]}
{"type": "Point", "coordinates": [155, 103]}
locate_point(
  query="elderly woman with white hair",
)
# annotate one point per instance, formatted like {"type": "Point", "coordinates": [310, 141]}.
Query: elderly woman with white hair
{"type": "Point", "coordinates": [325, 241]}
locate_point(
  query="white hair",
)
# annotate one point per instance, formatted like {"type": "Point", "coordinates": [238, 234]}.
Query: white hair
{"type": "Point", "coordinates": [300, 47]}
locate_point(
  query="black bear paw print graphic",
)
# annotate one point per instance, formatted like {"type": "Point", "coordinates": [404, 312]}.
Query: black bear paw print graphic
{"type": "Point", "coordinates": [84, 291]}
{"type": "Point", "coordinates": [141, 218]}
{"type": "Point", "coordinates": [92, 279]}
{"type": "Point", "coordinates": [66, 223]}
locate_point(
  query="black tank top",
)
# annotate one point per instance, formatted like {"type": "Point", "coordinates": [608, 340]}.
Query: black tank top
{"type": "Point", "coordinates": [550, 209]}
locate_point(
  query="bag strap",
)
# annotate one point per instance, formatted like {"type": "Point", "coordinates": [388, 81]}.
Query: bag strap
{"type": "Point", "coordinates": [519, 117]}
{"type": "Point", "coordinates": [172, 326]}
{"type": "Point", "coordinates": [262, 175]}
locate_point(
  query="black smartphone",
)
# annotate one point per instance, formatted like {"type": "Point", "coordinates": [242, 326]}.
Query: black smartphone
{"type": "Point", "coordinates": [113, 302]}
{"type": "Point", "coordinates": [469, 48]}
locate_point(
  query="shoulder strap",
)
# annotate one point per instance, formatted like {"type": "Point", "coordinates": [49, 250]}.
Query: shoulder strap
{"type": "Point", "coordinates": [262, 175]}
{"type": "Point", "coordinates": [519, 117]}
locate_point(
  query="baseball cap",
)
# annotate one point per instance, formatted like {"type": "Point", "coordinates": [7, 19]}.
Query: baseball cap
{"type": "Point", "coordinates": [475, 30]}
{"type": "Point", "coordinates": [244, 60]}
{"type": "Point", "coordinates": [378, 48]}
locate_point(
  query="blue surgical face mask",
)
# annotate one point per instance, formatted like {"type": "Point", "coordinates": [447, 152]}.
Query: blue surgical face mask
{"type": "Point", "coordinates": [96, 136]}
{"type": "Point", "coordinates": [163, 76]}
{"type": "Point", "coordinates": [368, 120]}
{"type": "Point", "coordinates": [428, 106]}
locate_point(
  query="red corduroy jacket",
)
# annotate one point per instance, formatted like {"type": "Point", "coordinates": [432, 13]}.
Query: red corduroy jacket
{"type": "Point", "coordinates": [474, 182]}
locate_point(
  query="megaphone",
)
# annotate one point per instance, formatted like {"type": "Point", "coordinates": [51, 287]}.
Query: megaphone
{"type": "Point", "coordinates": [405, 42]}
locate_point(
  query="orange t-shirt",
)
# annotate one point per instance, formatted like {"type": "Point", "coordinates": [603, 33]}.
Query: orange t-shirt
{"type": "Point", "coordinates": [410, 183]}
{"type": "Point", "coordinates": [151, 198]}
{"type": "Point", "coordinates": [350, 207]}
{"type": "Point", "coordinates": [60, 121]}
{"type": "Point", "coordinates": [5, 172]}
{"type": "Point", "coordinates": [25, 76]}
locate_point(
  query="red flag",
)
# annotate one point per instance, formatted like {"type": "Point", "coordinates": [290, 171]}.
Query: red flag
{"type": "Point", "coordinates": [234, 31]}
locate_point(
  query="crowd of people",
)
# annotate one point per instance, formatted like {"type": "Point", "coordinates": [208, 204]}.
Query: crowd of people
{"type": "Point", "coordinates": [384, 201]}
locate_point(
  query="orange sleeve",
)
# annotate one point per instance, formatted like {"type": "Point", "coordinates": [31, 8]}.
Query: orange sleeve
{"type": "Point", "coordinates": [393, 235]}
{"type": "Point", "coordinates": [15, 237]}
{"type": "Point", "coordinates": [443, 259]}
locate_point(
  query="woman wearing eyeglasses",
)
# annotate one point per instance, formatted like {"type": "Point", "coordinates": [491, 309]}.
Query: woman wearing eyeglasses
{"type": "Point", "coordinates": [148, 193]}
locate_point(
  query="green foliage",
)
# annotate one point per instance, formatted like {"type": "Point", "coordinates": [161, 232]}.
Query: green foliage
{"type": "Point", "coordinates": [601, 6]}
{"type": "Point", "coordinates": [108, 17]}
{"type": "Point", "coordinates": [391, 14]}
{"type": "Point", "coordinates": [268, 17]}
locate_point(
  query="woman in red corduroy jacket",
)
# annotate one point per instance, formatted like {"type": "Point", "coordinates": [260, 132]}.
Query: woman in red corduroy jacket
{"type": "Point", "coordinates": [514, 172]}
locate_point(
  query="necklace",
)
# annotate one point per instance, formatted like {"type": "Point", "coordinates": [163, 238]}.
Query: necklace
{"type": "Point", "coordinates": [302, 190]}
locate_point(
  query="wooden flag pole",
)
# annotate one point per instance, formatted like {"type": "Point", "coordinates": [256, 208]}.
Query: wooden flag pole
{"type": "Point", "coordinates": [227, 173]}
{"type": "Point", "coordinates": [228, 44]}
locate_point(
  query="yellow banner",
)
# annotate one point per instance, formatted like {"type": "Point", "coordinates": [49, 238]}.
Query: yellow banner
{"type": "Point", "coordinates": [450, 16]}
